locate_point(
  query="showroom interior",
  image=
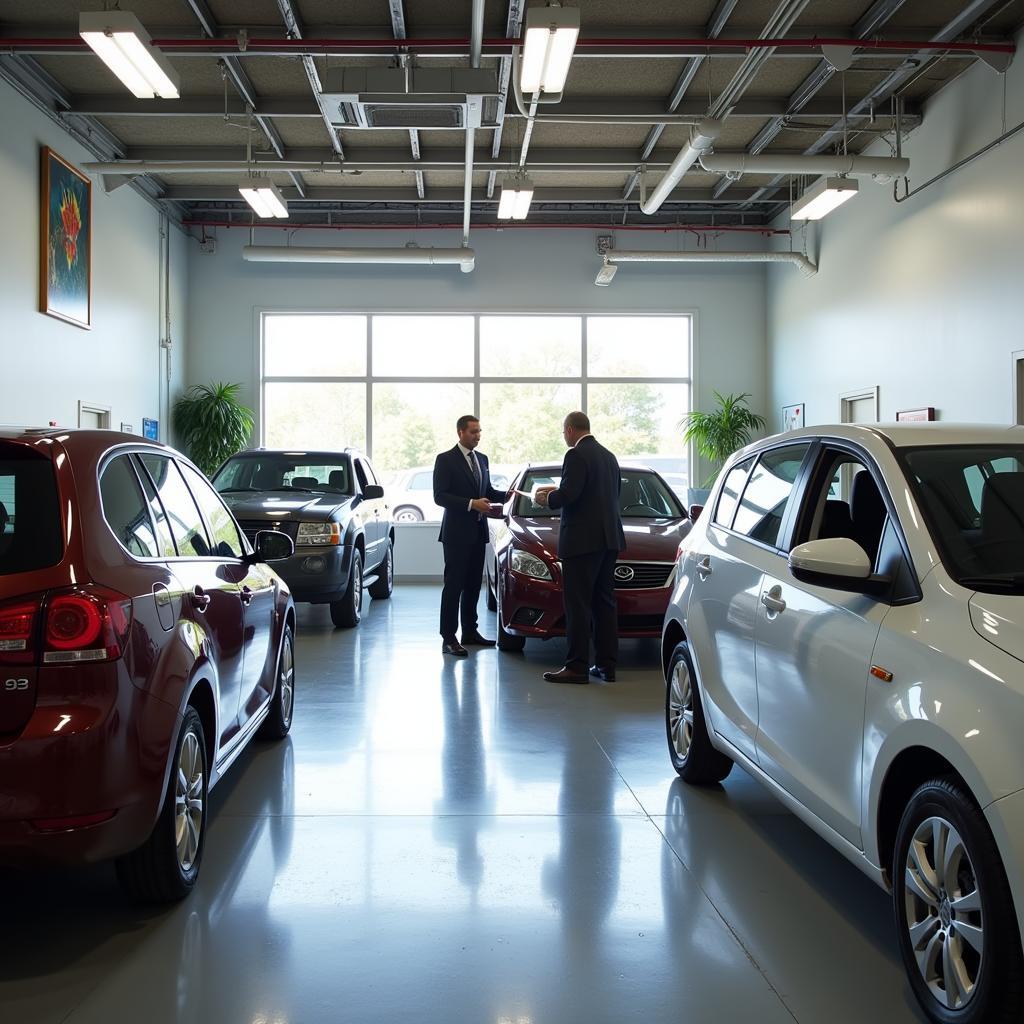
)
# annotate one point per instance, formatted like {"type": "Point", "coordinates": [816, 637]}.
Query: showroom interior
{"type": "Point", "coordinates": [445, 838]}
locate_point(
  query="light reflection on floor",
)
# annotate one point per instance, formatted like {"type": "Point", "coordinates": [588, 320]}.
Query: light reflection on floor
{"type": "Point", "coordinates": [461, 841]}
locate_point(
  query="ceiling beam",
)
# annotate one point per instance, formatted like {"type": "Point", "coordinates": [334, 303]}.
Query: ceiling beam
{"type": "Point", "coordinates": [122, 105]}
{"type": "Point", "coordinates": [398, 28]}
{"type": "Point", "coordinates": [232, 68]}
{"type": "Point", "coordinates": [714, 27]}
{"type": "Point", "coordinates": [294, 28]}
{"type": "Point", "coordinates": [869, 25]}
{"type": "Point", "coordinates": [453, 196]}
{"type": "Point", "coordinates": [892, 83]}
{"type": "Point", "coordinates": [513, 26]}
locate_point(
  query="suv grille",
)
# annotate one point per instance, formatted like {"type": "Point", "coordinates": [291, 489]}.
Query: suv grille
{"type": "Point", "coordinates": [642, 575]}
{"type": "Point", "coordinates": [250, 527]}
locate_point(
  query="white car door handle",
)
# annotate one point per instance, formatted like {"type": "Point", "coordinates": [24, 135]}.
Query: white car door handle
{"type": "Point", "coordinates": [704, 567]}
{"type": "Point", "coordinates": [772, 600]}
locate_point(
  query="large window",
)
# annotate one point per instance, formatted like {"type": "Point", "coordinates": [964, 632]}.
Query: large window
{"type": "Point", "coordinates": [394, 385]}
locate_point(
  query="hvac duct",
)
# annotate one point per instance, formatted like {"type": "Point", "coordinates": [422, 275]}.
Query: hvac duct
{"type": "Point", "coordinates": [705, 256]}
{"type": "Point", "coordinates": [464, 257]}
{"type": "Point", "coordinates": [702, 138]}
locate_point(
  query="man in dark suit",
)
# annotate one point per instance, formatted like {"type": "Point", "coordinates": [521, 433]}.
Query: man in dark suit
{"type": "Point", "coordinates": [590, 538]}
{"type": "Point", "coordinates": [462, 487]}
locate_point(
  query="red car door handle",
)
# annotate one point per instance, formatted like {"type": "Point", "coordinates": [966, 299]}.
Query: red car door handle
{"type": "Point", "coordinates": [200, 599]}
{"type": "Point", "coordinates": [246, 595]}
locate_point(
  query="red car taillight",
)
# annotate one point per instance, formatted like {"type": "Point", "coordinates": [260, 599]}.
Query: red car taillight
{"type": "Point", "coordinates": [17, 622]}
{"type": "Point", "coordinates": [88, 624]}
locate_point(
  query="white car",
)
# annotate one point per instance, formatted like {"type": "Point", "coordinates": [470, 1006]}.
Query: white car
{"type": "Point", "coordinates": [848, 626]}
{"type": "Point", "coordinates": [412, 494]}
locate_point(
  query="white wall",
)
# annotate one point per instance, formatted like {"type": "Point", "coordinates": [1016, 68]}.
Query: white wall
{"type": "Point", "coordinates": [923, 298]}
{"type": "Point", "coordinates": [516, 270]}
{"type": "Point", "coordinates": [49, 365]}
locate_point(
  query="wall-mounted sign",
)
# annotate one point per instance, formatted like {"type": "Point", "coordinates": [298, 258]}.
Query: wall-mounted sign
{"type": "Point", "coordinates": [927, 413]}
{"type": "Point", "coordinates": [151, 429]}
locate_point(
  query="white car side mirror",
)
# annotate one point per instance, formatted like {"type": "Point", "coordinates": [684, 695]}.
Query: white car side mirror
{"type": "Point", "coordinates": [836, 556]}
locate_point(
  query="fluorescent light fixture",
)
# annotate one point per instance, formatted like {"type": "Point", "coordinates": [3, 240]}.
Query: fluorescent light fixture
{"type": "Point", "coordinates": [605, 275]}
{"type": "Point", "coordinates": [823, 197]}
{"type": "Point", "coordinates": [126, 48]}
{"type": "Point", "coordinates": [516, 196]}
{"type": "Point", "coordinates": [548, 42]}
{"type": "Point", "coordinates": [264, 197]}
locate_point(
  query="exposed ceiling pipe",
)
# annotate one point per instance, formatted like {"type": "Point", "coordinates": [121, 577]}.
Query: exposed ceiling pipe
{"type": "Point", "coordinates": [702, 138]}
{"type": "Point", "coordinates": [885, 168]}
{"type": "Point", "coordinates": [596, 46]}
{"type": "Point", "coordinates": [695, 229]}
{"type": "Point", "coordinates": [705, 256]}
{"type": "Point", "coordinates": [464, 257]}
{"type": "Point", "coordinates": [476, 43]}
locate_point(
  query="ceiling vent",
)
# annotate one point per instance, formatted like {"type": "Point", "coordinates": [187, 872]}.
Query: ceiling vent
{"type": "Point", "coordinates": [427, 98]}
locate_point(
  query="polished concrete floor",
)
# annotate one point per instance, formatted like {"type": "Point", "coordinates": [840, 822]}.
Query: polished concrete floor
{"type": "Point", "coordinates": [459, 841]}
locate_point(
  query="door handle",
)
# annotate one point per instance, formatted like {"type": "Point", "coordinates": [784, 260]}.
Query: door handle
{"type": "Point", "coordinates": [704, 567]}
{"type": "Point", "coordinates": [772, 600]}
{"type": "Point", "coordinates": [245, 595]}
{"type": "Point", "coordinates": [199, 598]}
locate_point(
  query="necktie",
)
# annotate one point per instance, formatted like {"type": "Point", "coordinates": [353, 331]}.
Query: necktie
{"type": "Point", "coordinates": [473, 465]}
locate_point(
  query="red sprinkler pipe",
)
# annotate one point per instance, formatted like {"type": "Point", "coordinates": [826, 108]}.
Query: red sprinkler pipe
{"type": "Point", "coordinates": [693, 228]}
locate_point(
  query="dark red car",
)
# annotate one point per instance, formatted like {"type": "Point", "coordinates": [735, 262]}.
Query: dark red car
{"type": "Point", "coordinates": [524, 575]}
{"type": "Point", "coordinates": [143, 643]}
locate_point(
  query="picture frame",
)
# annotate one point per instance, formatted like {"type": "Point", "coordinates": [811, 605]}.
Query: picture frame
{"type": "Point", "coordinates": [910, 415]}
{"type": "Point", "coordinates": [793, 416]}
{"type": "Point", "coordinates": [150, 429]}
{"type": "Point", "coordinates": [65, 241]}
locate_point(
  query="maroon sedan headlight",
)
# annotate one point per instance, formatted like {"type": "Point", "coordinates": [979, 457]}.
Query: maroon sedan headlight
{"type": "Point", "coordinates": [530, 565]}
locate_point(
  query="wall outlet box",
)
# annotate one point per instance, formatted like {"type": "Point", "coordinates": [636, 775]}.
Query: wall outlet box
{"type": "Point", "coordinates": [208, 246]}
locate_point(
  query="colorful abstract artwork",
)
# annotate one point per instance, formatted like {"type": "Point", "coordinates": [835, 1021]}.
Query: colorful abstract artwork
{"type": "Point", "coordinates": [65, 268]}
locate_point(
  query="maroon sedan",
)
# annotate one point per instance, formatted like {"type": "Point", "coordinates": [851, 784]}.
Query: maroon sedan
{"type": "Point", "coordinates": [143, 643]}
{"type": "Point", "coordinates": [524, 575]}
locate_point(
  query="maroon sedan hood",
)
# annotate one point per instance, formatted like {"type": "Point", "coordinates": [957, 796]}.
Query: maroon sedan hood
{"type": "Point", "coordinates": [647, 540]}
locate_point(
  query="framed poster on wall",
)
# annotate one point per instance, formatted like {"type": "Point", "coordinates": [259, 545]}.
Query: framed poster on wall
{"type": "Point", "coordinates": [65, 241]}
{"type": "Point", "coordinates": [792, 417]}
{"type": "Point", "coordinates": [909, 415]}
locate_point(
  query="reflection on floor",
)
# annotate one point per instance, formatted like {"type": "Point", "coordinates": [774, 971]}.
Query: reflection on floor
{"type": "Point", "coordinates": [444, 840]}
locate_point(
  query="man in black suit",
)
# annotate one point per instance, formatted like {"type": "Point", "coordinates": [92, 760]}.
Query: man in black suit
{"type": "Point", "coordinates": [590, 538]}
{"type": "Point", "coordinates": [462, 487]}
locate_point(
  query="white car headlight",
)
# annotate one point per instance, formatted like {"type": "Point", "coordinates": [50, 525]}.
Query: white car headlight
{"type": "Point", "coordinates": [318, 534]}
{"type": "Point", "coordinates": [530, 565]}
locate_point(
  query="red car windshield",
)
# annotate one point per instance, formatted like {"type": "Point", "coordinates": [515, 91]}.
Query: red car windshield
{"type": "Point", "coordinates": [642, 495]}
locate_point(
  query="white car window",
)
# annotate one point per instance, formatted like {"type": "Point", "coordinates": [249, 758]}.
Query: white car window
{"type": "Point", "coordinates": [730, 494]}
{"type": "Point", "coordinates": [766, 496]}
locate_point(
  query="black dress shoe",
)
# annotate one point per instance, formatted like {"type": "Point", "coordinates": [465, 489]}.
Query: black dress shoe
{"type": "Point", "coordinates": [454, 647]}
{"type": "Point", "coordinates": [476, 640]}
{"type": "Point", "coordinates": [606, 674]}
{"type": "Point", "coordinates": [566, 675]}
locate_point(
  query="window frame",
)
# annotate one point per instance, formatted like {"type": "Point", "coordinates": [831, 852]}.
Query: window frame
{"type": "Point", "coordinates": [134, 467]}
{"type": "Point", "coordinates": [476, 379]}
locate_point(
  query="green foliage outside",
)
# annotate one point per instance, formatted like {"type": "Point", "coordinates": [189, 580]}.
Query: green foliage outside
{"type": "Point", "coordinates": [212, 424]}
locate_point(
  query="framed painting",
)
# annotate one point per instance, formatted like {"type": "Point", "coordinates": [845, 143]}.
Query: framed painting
{"type": "Point", "coordinates": [65, 257]}
{"type": "Point", "coordinates": [910, 415]}
{"type": "Point", "coordinates": [792, 417]}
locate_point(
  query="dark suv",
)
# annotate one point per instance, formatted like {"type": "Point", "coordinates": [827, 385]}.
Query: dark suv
{"type": "Point", "coordinates": [143, 643]}
{"type": "Point", "coordinates": [332, 507]}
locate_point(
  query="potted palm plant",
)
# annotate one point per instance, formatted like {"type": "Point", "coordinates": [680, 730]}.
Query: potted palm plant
{"type": "Point", "coordinates": [212, 424]}
{"type": "Point", "coordinates": [720, 432]}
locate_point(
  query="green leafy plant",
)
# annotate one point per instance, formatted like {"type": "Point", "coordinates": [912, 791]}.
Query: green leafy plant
{"type": "Point", "coordinates": [719, 433]}
{"type": "Point", "coordinates": [212, 424]}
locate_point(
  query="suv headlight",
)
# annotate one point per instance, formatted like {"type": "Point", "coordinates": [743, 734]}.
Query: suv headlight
{"type": "Point", "coordinates": [530, 565]}
{"type": "Point", "coordinates": [318, 534]}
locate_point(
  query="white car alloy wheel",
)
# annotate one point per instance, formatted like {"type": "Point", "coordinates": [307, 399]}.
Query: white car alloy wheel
{"type": "Point", "coordinates": [944, 913]}
{"type": "Point", "coordinates": [680, 715]}
{"type": "Point", "coordinates": [188, 802]}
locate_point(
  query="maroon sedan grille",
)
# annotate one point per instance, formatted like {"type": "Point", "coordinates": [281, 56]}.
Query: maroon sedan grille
{"type": "Point", "coordinates": [642, 575]}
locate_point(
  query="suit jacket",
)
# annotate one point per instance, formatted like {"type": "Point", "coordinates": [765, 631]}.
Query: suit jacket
{"type": "Point", "coordinates": [454, 487]}
{"type": "Point", "coordinates": [589, 499]}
